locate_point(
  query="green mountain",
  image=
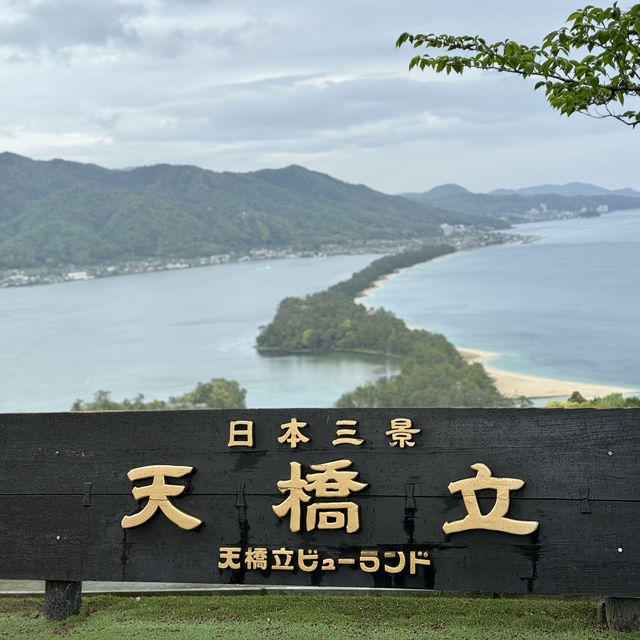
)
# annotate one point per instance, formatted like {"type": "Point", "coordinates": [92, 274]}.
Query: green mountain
{"type": "Point", "coordinates": [529, 203]}
{"type": "Point", "coordinates": [448, 190]}
{"type": "Point", "coordinates": [59, 212]}
{"type": "Point", "coordinates": [570, 189]}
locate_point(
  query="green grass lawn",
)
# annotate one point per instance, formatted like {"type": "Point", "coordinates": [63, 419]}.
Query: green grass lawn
{"type": "Point", "coordinates": [309, 616]}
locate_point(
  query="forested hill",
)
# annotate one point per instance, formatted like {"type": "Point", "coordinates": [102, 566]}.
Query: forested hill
{"type": "Point", "coordinates": [528, 205]}
{"type": "Point", "coordinates": [60, 212]}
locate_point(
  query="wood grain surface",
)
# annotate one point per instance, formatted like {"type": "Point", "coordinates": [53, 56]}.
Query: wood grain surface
{"type": "Point", "coordinates": [64, 491]}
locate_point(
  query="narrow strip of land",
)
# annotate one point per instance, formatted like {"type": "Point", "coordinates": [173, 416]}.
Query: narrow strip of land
{"type": "Point", "coordinates": [361, 298]}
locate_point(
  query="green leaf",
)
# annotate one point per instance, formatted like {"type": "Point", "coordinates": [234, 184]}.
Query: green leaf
{"type": "Point", "coordinates": [573, 81]}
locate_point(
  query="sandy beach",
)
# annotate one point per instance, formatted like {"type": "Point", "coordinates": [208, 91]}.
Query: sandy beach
{"type": "Point", "coordinates": [514, 385]}
{"type": "Point", "coordinates": [362, 298]}
{"type": "Point", "coordinates": [510, 383]}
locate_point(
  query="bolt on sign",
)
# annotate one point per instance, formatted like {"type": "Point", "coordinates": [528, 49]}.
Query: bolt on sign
{"type": "Point", "coordinates": [520, 501]}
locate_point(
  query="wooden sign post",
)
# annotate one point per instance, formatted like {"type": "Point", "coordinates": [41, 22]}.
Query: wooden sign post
{"type": "Point", "coordinates": [515, 501]}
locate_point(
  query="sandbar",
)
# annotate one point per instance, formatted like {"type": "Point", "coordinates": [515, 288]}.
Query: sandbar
{"type": "Point", "coordinates": [366, 293]}
{"type": "Point", "coordinates": [514, 385]}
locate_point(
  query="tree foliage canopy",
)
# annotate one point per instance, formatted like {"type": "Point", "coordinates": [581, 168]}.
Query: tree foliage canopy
{"type": "Point", "coordinates": [431, 371]}
{"type": "Point", "coordinates": [591, 66]}
{"type": "Point", "coordinates": [218, 393]}
{"type": "Point", "coordinates": [612, 401]}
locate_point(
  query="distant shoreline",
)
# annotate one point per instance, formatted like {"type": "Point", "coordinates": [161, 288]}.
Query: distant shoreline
{"type": "Point", "coordinates": [34, 276]}
{"type": "Point", "coordinates": [12, 278]}
{"type": "Point", "coordinates": [509, 383]}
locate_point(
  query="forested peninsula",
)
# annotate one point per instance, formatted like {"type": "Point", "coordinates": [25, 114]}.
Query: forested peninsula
{"type": "Point", "coordinates": [431, 371]}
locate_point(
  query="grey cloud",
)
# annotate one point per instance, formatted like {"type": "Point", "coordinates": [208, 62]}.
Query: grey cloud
{"type": "Point", "coordinates": [175, 42]}
{"type": "Point", "coordinates": [55, 25]}
{"type": "Point", "coordinates": [232, 85]}
{"type": "Point", "coordinates": [301, 120]}
{"type": "Point", "coordinates": [331, 34]}
{"type": "Point", "coordinates": [106, 122]}
{"type": "Point", "coordinates": [302, 105]}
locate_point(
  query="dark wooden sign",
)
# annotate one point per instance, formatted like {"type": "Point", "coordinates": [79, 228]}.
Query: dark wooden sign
{"type": "Point", "coordinates": [520, 501]}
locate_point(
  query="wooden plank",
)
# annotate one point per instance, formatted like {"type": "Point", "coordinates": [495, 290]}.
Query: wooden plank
{"type": "Point", "coordinates": [64, 490]}
{"type": "Point", "coordinates": [559, 454]}
{"type": "Point", "coordinates": [61, 599]}
{"type": "Point", "coordinates": [572, 552]}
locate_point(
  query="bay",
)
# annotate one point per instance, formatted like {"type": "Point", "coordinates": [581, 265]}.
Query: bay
{"type": "Point", "coordinates": [161, 333]}
{"type": "Point", "coordinates": [566, 306]}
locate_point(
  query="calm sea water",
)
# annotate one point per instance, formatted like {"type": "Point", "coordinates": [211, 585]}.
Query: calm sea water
{"type": "Point", "coordinates": [160, 333]}
{"type": "Point", "coordinates": [566, 306]}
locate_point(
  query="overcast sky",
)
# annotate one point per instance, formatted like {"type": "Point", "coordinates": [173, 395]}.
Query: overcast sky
{"type": "Point", "coordinates": [251, 84]}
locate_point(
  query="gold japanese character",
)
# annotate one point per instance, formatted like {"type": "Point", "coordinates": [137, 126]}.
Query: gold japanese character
{"type": "Point", "coordinates": [416, 558]}
{"type": "Point", "coordinates": [283, 559]}
{"type": "Point", "coordinates": [333, 515]}
{"type": "Point", "coordinates": [346, 561]}
{"type": "Point", "coordinates": [310, 556]}
{"type": "Point", "coordinates": [229, 558]}
{"type": "Point", "coordinates": [401, 561]}
{"type": "Point", "coordinates": [295, 486]}
{"type": "Point", "coordinates": [402, 433]}
{"type": "Point", "coordinates": [158, 493]}
{"type": "Point", "coordinates": [292, 433]}
{"type": "Point", "coordinates": [328, 564]}
{"type": "Point", "coordinates": [369, 561]}
{"type": "Point", "coordinates": [346, 436]}
{"type": "Point", "coordinates": [240, 433]}
{"type": "Point", "coordinates": [255, 558]}
{"type": "Point", "coordinates": [495, 520]}
{"type": "Point", "coordinates": [331, 481]}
